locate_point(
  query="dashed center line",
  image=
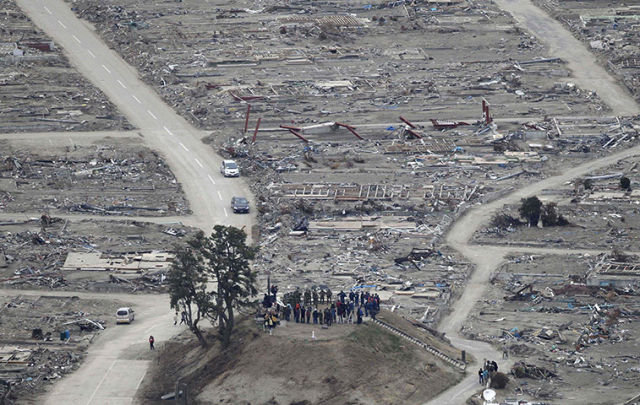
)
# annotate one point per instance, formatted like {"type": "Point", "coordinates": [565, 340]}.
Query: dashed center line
{"type": "Point", "coordinates": [136, 98]}
{"type": "Point", "coordinates": [219, 195]}
{"type": "Point", "coordinates": [184, 147]}
{"type": "Point", "coordinates": [62, 25]}
{"type": "Point", "coordinates": [106, 68]}
{"type": "Point", "coordinates": [47, 10]}
{"type": "Point", "coordinates": [226, 214]}
{"type": "Point", "coordinates": [211, 178]}
{"type": "Point", "coordinates": [198, 162]}
{"type": "Point", "coordinates": [151, 114]}
{"type": "Point", "coordinates": [76, 38]}
{"type": "Point", "coordinates": [91, 53]}
{"type": "Point", "coordinates": [167, 129]}
{"type": "Point", "coordinates": [121, 84]}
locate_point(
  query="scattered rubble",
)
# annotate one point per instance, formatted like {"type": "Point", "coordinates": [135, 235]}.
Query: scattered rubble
{"type": "Point", "coordinates": [609, 29]}
{"type": "Point", "coordinates": [302, 63]}
{"type": "Point", "coordinates": [102, 179]}
{"type": "Point", "coordinates": [563, 330]}
{"type": "Point", "coordinates": [40, 90]}
{"type": "Point", "coordinates": [45, 337]}
{"type": "Point", "coordinates": [68, 255]}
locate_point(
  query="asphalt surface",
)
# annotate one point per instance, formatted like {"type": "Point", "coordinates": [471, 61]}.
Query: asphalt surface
{"type": "Point", "coordinates": [194, 164]}
{"type": "Point", "coordinates": [117, 363]}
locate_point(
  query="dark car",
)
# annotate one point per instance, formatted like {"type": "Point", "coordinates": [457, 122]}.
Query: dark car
{"type": "Point", "coordinates": [240, 205]}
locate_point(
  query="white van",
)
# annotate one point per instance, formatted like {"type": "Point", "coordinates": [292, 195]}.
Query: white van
{"type": "Point", "coordinates": [229, 168]}
{"type": "Point", "coordinates": [125, 315]}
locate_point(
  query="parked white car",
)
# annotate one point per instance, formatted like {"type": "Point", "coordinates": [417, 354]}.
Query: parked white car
{"type": "Point", "coordinates": [229, 168]}
{"type": "Point", "coordinates": [125, 315]}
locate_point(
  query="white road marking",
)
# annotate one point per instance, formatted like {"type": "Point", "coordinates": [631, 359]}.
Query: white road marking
{"type": "Point", "coordinates": [151, 114]}
{"type": "Point", "coordinates": [101, 381]}
{"type": "Point", "coordinates": [198, 162]}
{"type": "Point", "coordinates": [106, 68]}
{"type": "Point", "coordinates": [211, 178]}
{"type": "Point", "coordinates": [141, 379]}
{"type": "Point", "coordinates": [219, 195]}
{"type": "Point", "coordinates": [76, 38]}
{"type": "Point", "coordinates": [50, 143]}
{"type": "Point", "coordinates": [184, 147]}
{"type": "Point", "coordinates": [91, 53]}
{"type": "Point", "coordinates": [136, 98]}
{"type": "Point", "coordinates": [121, 84]}
{"type": "Point", "coordinates": [167, 129]}
{"type": "Point", "coordinates": [70, 140]}
{"type": "Point", "coordinates": [47, 10]}
{"type": "Point", "coordinates": [62, 25]}
{"type": "Point", "coordinates": [226, 214]}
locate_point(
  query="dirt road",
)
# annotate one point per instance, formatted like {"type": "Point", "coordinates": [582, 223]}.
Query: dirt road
{"type": "Point", "coordinates": [587, 72]}
{"type": "Point", "coordinates": [486, 259]}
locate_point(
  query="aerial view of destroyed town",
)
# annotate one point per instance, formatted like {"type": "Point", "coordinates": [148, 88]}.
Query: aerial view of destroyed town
{"type": "Point", "coordinates": [312, 202]}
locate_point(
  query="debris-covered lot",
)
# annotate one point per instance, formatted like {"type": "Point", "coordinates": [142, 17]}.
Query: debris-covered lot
{"type": "Point", "coordinates": [336, 61]}
{"type": "Point", "coordinates": [365, 131]}
{"type": "Point", "coordinates": [40, 90]}
{"type": "Point", "coordinates": [118, 176]}
{"type": "Point", "coordinates": [87, 254]}
{"type": "Point", "coordinates": [599, 214]}
{"type": "Point", "coordinates": [609, 29]}
{"type": "Point", "coordinates": [564, 330]}
{"type": "Point", "coordinates": [34, 349]}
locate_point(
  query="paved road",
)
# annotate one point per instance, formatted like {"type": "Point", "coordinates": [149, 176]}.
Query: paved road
{"type": "Point", "coordinates": [117, 362]}
{"type": "Point", "coordinates": [193, 163]}
{"type": "Point", "coordinates": [587, 72]}
{"type": "Point", "coordinates": [119, 357]}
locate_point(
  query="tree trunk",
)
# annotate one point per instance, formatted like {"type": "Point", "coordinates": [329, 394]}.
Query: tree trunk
{"type": "Point", "coordinates": [203, 342]}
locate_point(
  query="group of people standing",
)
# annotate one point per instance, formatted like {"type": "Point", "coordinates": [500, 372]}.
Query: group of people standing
{"type": "Point", "coordinates": [484, 374]}
{"type": "Point", "coordinates": [317, 307]}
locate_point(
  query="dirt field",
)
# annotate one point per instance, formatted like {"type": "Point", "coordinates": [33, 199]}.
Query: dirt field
{"type": "Point", "coordinates": [356, 364]}
{"type": "Point", "coordinates": [40, 90]}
